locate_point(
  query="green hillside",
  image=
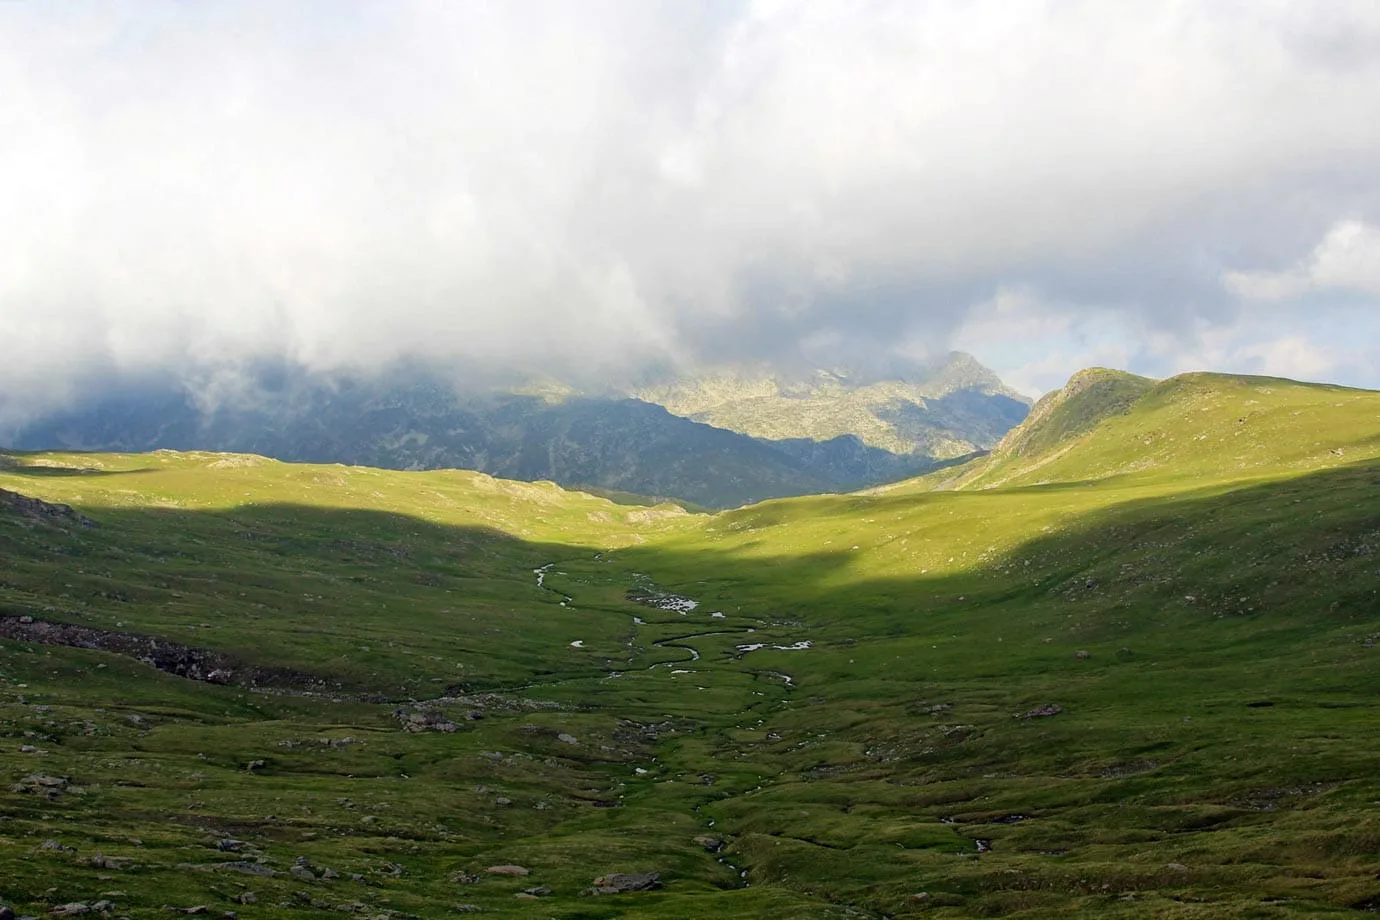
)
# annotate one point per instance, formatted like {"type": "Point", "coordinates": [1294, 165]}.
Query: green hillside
{"type": "Point", "coordinates": [1124, 667]}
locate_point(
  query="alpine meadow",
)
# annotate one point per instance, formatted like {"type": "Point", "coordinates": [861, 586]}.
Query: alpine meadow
{"type": "Point", "coordinates": [625, 460]}
{"type": "Point", "coordinates": [1123, 666]}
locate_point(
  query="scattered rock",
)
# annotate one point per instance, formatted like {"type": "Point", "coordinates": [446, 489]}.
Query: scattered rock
{"type": "Point", "coordinates": [247, 897]}
{"type": "Point", "coordinates": [712, 844]}
{"type": "Point", "coordinates": [517, 871]}
{"type": "Point", "coordinates": [423, 720]}
{"type": "Point", "coordinates": [109, 862]}
{"type": "Point", "coordinates": [230, 846]}
{"type": "Point", "coordinates": [39, 784]}
{"type": "Point", "coordinates": [503, 800]}
{"type": "Point", "coordinates": [538, 892]}
{"type": "Point", "coordinates": [468, 908]}
{"type": "Point", "coordinates": [75, 909]}
{"type": "Point", "coordinates": [303, 873]}
{"type": "Point", "coordinates": [1177, 867]}
{"type": "Point", "coordinates": [6, 913]}
{"type": "Point", "coordinates": [182, 660]}
{"type": "Point", "coordinates": [36, 509]}
{"type": "Point", "coordinates": [247, 868]}
{"type": "Point", "coordinates": [1043, 712]}
{"type": "Point", "coordinates": [567, 739]}
{"type": "Point", "coordinates": [464, 878]}
{"type": "Point", "coordinates": [623, 882]}
{"type": "Point", "coordinates": [1082, 655]}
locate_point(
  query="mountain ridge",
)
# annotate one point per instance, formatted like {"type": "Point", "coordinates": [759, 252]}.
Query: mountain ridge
{"type": "Point", "coordinates": [539, 429]}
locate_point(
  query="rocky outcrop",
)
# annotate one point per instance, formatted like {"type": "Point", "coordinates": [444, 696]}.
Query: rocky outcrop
{"type": "Point", "coordinates": [39, 511]}
{"type": "Point", "coordinates": [187, 661]}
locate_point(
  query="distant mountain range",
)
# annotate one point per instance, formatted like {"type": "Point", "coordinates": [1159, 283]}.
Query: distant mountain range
{"type": "Point", "coordinates": [720, 438]}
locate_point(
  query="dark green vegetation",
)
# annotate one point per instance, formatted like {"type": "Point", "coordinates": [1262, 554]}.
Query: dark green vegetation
{"type": "Point", "coordinates": [828, 434]}
{"type": "Point", "coordinates": [1139, 675]}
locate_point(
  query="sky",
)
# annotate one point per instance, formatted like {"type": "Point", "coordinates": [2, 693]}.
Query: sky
{"type": "Point", "coordinates": [585, 188]}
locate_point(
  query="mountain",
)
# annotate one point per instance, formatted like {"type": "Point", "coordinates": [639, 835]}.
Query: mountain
{"type": "Point", "coordinates": [1106, 425]}
{"type": "Point", "coordinates": [944, 409]}
{"type": "Point", "coordinates": [549, 431]}
{"type": "Point", "coordinates": [1131, 674]}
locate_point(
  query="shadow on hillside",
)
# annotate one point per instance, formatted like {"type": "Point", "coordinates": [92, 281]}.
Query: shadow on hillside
{"type": "Point", "coordinates": [20, 464]}
{"type": "Point", "coordinates": [1304, 526]}
{"type": "Point", "coordinates": [1317, 535]}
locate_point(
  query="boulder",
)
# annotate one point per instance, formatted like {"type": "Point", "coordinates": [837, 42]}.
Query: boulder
{"type": "Point", "coordinates": [516, 871]}
{"type": "Point", "coordinates": [622, 882]}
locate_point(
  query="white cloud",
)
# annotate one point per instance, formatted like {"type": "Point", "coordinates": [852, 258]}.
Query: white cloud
{"type": "Point", "coordinates": [556, 184]}
{"type": "Point", "coordinates": [1347, 258]}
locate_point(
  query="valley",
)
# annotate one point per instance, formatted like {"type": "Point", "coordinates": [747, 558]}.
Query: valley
{"type": "Point", "coordinates": [1123, 666]}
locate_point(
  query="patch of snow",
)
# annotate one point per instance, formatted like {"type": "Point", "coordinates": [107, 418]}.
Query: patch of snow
{"type": "Point", "coordinates": [541, 574]}
{"type": "Point", "coordinates": [578, 643]}
{"type": "Point", "coordinates": [717, 615]}
{"type": "Point", "coordinates": [682, 671]}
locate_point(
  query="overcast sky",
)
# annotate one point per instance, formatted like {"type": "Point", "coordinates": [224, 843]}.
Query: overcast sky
{"type": "Point", "coordinates": [1155, 186]}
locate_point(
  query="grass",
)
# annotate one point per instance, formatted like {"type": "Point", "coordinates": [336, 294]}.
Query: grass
{"type": "Point", "coordinates": [1197, 593]}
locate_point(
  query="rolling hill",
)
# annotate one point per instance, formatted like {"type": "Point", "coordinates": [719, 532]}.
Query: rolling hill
{"type": "Point", "coordinates": [833, 437]}
{"type": "Point", "coordinates": [1123, 667]}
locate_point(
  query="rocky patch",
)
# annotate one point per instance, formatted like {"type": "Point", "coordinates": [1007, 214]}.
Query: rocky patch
{"type": "Point", "coordinates": [624, 882]}
{"type": "Point", "coordinates": [40, 512]}
{"type": "Point", "coordinates": [187, 661]}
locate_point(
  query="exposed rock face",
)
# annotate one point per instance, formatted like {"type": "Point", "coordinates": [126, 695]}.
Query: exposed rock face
{"type": "Point", "coordinates": [39, 511]}
{"type": "Point", "coordinates": [182, 660]}
{"type": "Point", "coordinates": [940, 409]}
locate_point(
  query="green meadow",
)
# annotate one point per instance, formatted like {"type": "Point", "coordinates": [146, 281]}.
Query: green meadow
{"type": "Point", "coordinates": [1128, 665]}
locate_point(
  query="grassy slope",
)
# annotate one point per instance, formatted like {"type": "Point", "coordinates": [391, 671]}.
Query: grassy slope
{"type": "Point", "coordinates": [1204, 563]}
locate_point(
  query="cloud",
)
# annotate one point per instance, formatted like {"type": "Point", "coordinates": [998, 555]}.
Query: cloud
{"type": "Point", "coordinates": [588, 186]}
{"type": "Point", "coordinates": [1347, 258]}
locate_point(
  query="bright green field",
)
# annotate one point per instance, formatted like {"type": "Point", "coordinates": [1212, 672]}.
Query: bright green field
{"type": "Point", "coordinates": [1192, 580]}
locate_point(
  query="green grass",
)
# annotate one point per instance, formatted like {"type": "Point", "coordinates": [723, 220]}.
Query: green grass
{"type": "Point", "coordinates": [1212, 546]}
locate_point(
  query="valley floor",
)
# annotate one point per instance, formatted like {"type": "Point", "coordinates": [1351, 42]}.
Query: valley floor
{"type": "Point", "coordinates": [232, 685]}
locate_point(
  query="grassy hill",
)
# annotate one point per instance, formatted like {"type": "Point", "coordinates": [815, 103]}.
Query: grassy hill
{"type": "Point", "coordinates": [1125, 667]}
